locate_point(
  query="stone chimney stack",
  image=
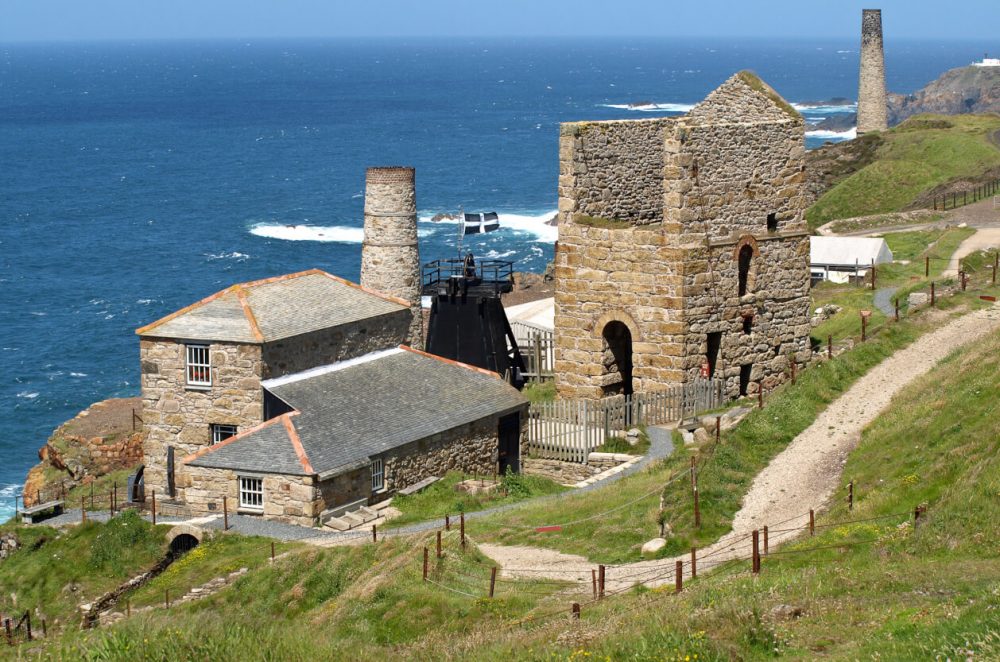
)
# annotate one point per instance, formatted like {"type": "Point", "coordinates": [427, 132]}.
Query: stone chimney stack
{"type": "Point", "coordinates": [390, 258]}
{"type": "Point", "coordinates": [872, 111]}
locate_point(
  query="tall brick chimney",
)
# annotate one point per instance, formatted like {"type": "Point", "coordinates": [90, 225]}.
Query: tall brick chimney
{"type": "Point", "coordinates": [390, 258]}
{"type": "Point", "coordinates": [872, 111]}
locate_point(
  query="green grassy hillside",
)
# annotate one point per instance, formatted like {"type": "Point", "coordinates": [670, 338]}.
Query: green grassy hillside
{"type": "Point", "coordinates": [920, 154]}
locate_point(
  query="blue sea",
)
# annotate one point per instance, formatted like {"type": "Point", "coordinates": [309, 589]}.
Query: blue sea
{"type": "Point", "coordinates": [140, 177]}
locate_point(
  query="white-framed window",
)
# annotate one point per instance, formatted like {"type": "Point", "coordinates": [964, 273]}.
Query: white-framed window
{"type": "Point", "coordinates": [251, 493]}
{"type": "Point", "coordinates": [221, 432]}
{"type": "Point", "coordinates": [378, 475]}
{"type": "Point", "coordinates": [198, 365]}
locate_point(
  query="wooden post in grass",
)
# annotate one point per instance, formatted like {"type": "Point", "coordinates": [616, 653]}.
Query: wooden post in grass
{"type": "Point", "coordinates": [114, 492]}
{"type": "Point", "coordinates": [83, 510]}
{"type": "Point", "coordinates": [600, 582]}
{"type": "Point", "coordinates": [693, 480]}
{"type": "Point", "coordinates": [166, 597]}
{"type": "Point", "coordinates": [593, 581]}
{"type": "Point", "coordinates": [932, 293]}
{"type": "Point", "coordinates": [897, 309]}
{"type": "Point", "coordinates": [755, 559]}
{"type": "Point", "coordinates": [965, 278]}
{"type": "Point", "coordinates": [493, 580]}
{"type": "Point", "coordinates": [718, 428]}
{"type": "Point", "coordinates": [694, 563]}
{"type": "Point", "coordinates": [576, 611]}
{"type": "Point", "coordinates": [272, 551]}
{"type": "Point", "coordinates": [697, 510]}
{"type": "Point", "coordinates": [829, 346]}
{"type": "Point", "coordinates": [812, 522]}
{"type": "Point", "coordinates": [865, 314]}
{"type": "Point", "coordinates": [10, 636]}
{"type": "Point", "coordinates": [678, 577]}
{"type": "Point", "coordinates": [374, 534]}
{"type": "Point", "coordinates": [461, 520]}
{"type": "Point", "coordinates": [765, 542]}
{"type": "Point", "coordinates": [153, 507]}
{"type": "Point", "coordinates": [128, 608]}
{"type": "Point", "coordinates": [447, 523]}
{"type": "Point", "coordinates": [927, 267]}
{"type": "Point", "coordinates": [225, 514]}
{"type": "Point", "coordinates": [425, 564]}
{"type": "Point", "coordinates": [850, 495]}
{"type": "Point", "coordinates": [439, 544]}
{"type": "Point", "coordinates": [111, 502]}
{"type": "Point", "coordinates": [873, 274]}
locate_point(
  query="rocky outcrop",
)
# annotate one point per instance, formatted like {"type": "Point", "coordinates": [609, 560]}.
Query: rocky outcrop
{"type": "Point", "coordinates": [8, 545]}
{"type": "Point", "coordinates": [103, 438]}
{"type": "Point", "coordinates": [957, 91]}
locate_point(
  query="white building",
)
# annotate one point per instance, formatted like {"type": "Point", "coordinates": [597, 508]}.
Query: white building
{"type": "Point", "coordinates": [839, 259]}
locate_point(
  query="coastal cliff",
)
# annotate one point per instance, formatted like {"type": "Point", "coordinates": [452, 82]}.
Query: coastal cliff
{"type": "Point", "coordinates": [101, 439]}
{"type": "Point", "coordinates": [957, 91]}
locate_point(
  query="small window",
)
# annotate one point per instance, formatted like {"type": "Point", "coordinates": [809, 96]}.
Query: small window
{"type": "Point", "coordinates": [745, 371]}
{"type": "Point", "coordinates": [221, 432]}
{"type": "Point", "coordinates": [199, 369]}
{"type": "Point", "coordinates": [747, 324]}
{"type": "Point", "coordinates": [251, 493]}
{"type": "Point", "coordinates": [772, 222]}
{"type": "Point", "coordinates": [746, 255]}
{"type": "Point", "coordinates": [378, 475]}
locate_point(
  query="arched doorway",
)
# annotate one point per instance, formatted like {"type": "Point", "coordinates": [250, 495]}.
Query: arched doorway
{"type": "Point", "coordinates": [617, 359]}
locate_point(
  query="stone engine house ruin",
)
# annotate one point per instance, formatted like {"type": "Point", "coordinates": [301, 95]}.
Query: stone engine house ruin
{"type": "Point", "coordinates": [682, 249]}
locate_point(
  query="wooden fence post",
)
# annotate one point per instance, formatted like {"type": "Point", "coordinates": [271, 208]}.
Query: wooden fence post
{"type": "Point", "coordinates": [829, 346]}
{"type": "Point", "coordinates": [114, 489]}
{"type": "Point", "coordinates": [678, 577]}
{"type": "Point", "coordinates": [166, 597]}
{"type": "Point", "coordinates": [593, 581]}
{"type": "Point", "coordinates": [493, 580]}
{"type": "Point", "coordinates": [600, 582]}
{"type": "Point", "coordinates": [462, 524]}
{"type": "Point", "coordinates": [83, 510]}
{"type": "Point", "coordinates": [927, 266]}
{"type": "Point", "coordinates": [153, 507]}
{"type": "Point", "coordinates": [694, 563]}
{"type": "Point", "coordinates": [27, 623]}
{"type": "Point", "coordinates": [447, 523]}
{"type": "Point", "coordinates": [128, 608]}
{"type": "Point", "coordinates": [697, 509]}
{"type": "Point", "coordinates": [576, 611]}
{"type": "Point", "coordinates": [812, 522]}
{"type": "Point", "coordinates": [10, 636]}
{"type": "Point", "coordinates": [897, 309]}
{"type": "Point", "coordinates": [873, 274]}
{"type": "Point", "coordinates": [225, 514]}
{"type": "Point", "coordinates": [850, 495]}
{"type": "Point", "coordinates": [374, 534]}
{"type": "Point", "coordinates": [425, 563]}
{"type": "Point", "coordinates": [439, 544]}
{"type": "Point", "coordinates": [111, 502]}
{"type": "Point", "coordinates": [272, 551]}
{"type": "Point", "coordinates": [932, 293]}
{"type": "Point", "coordinates": [755, 559]}
{"type": "Point", "coordinates": [765, 542]}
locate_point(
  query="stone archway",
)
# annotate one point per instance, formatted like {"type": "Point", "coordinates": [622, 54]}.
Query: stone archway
{"type": "Point", "coordinates": [617, 359]}
{"type": "Point", "coordinates": [183, 538]}
{"type": "Point", "coordinates": [744, 253]}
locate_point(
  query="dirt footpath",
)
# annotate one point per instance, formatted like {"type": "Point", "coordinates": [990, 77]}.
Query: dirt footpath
{"type": "Point", "coordinates": [800, 478]}
{"type": "Point", "coordinates": [983, 239]}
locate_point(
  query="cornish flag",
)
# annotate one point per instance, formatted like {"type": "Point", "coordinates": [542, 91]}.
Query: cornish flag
{"type": "Point", "coordinates": [479, 223]}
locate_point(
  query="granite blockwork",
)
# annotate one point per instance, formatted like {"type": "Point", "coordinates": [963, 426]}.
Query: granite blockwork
{"type": "Point", "coordinates": [872, 108]}
{"type": "Point", "coordinates": [390, 259]}
{"type": "Point", "coordinates": [682, 247]}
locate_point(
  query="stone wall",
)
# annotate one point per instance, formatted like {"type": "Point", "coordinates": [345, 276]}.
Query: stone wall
{"type": "Point", "coordinates": [564, 473]}
{"type": "Point", "coordinates": [177, 415]}
{"type": "Point", "coordinates": [873, 113]}
{"type": "Point", "coordinates": [732, 177]}
{"type": "Point", "coordinates": [334, 344]}
{"type": "Point", "coordinates": [613, 170]}
{"type": "Point", "coordinates": [293, 499]}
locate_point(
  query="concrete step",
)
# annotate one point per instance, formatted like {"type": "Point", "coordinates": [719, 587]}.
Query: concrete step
{"type": "Point", "coordinates": [338, 524]}
{"type": "Point", "coordinates": [354, 519]}
{"type": "Point", "coordinates": [365, 513]}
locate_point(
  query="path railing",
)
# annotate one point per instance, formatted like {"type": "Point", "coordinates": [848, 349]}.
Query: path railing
{"type": "Point", "coordinates": [538, 349]}
{"type": "Point", "coordinates": [954, 200]}
{"type": "Point", "coordinates": [570, 430]}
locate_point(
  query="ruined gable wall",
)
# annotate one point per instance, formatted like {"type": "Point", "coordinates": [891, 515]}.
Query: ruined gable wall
{"type": "Point", "coordinates": [338, 343]}
{"type": "Point", "coordinates": [177, 415]}
{"type": "Point", "coordinates": [613, 170]}
{"type": "Point", "coordinates": [737, 174]}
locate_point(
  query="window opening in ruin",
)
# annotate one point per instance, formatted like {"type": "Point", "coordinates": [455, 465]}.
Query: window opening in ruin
{"type": "Point", "coordinates": [221, 432]}
{"type": "Point", "coordinates": [199, 369]}
{"type": "Point", "coordinates": [747, 324]}
{"type": "Point", "coordinates": [745, 377]}
{"type": "Point", "coordinates": [746, 254]}
{"type": "Point", "coordinates": [772, 222]}
{"type": "Point", "coordinates": [617, 359]}
{"type": "Point", "coordinates": [251, 492]}
{"type": "Point", "coordinates": [378, 475]}
{"type": "Point", "coordinates": [712, 352]}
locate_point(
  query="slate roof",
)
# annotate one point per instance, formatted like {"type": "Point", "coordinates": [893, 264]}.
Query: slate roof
{"type": "Point", "coordinates": [843, 251]}
{"type": "Point", "coordinates": [274, 308]}
{"type": "Point", "coordinates": [349, 412]}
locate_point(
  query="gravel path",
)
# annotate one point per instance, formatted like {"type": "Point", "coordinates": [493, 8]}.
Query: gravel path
{"type": "Point", "coordinates": [884, 302]}
{"type": "Point", "coordinates": [800, 478]}
{"type": "Point", "coordinates": [983, 239]}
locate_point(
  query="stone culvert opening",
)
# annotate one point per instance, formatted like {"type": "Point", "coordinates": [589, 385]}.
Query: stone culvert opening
{"type": "Point", "coordinates": [183, 538]}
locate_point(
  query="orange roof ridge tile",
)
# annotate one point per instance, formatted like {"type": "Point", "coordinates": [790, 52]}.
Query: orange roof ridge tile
{"type": "Point", "coordinates": [453, 362]}
{"type": "Point", "coordinates": [248, 313]}
{"type": "Point", "coordinates": [236, 437]}
{"type": "Point", "coordinates": [293, 435]}
{"type": "Point", "coordinates": [387, 297]}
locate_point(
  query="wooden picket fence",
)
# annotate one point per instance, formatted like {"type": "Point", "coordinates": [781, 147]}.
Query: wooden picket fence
{"type": "Point", "coordinates": [570, 430]}
{"type": "Point", "coordinates": [538, 349]}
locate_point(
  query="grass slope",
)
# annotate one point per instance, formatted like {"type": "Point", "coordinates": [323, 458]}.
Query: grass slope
{"type": "Point", "coordinates": [916, 156]}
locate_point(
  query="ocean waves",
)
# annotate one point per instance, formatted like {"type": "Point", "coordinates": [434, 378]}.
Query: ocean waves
{"type": "Point", "coordinates": [651, 107]}
{"type": "Point", "coordinates": [536, 225]}
{"type": "Point", "coordinates": [8, 496]}
{"type": "Point", "coordinates": [833, 136]}
{"type": "Point", "coordinates": [821, 109]}
{"type": "Point", "coordinates": [335, 233]}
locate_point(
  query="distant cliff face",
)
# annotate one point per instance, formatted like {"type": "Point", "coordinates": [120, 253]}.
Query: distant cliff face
{"type": "Point", "coordinates": [962, 90]}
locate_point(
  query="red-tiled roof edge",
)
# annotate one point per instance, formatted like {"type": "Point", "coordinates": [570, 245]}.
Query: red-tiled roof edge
{"type": "Point", "coordinates": [237, 437]}
{"type": "Point", "coordinates": [248, 313]}
{"type": "Point", "coordinates": [457, 363]}
{"type": "Point", "coordinates": [293, 435]}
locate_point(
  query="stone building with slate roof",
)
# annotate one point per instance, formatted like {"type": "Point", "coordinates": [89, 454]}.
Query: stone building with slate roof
{"type": "Point", "coordinates": [293, 397]}
{"type": "Point", "coordinates": [682, 250]}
